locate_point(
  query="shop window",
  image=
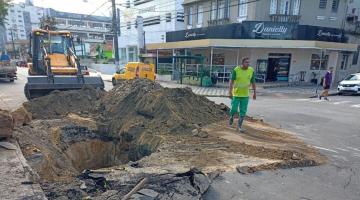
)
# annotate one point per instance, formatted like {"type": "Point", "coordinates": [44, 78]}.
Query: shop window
{"type": "Point", "coordinates": [123, 55]}
{"type": "Point", "coordinates": [315, 62]}
{"type": "Point", "coordinates": [344, 62]}
{"type": "Point", "coordinates": [133, 54]}
{"type": "Point", "coordinates": [322, 4]}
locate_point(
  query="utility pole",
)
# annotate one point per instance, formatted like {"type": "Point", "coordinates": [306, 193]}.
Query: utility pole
{"type": "Point", "coordinates": [115, 30]}
{"type": "Point", "coordinates": [13, 43]}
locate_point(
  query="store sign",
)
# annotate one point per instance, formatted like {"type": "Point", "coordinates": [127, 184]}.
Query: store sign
{"type": "Point", "coordinates": [322, 33]}
{"type": "Point", "coordinates": [260, 28]}
{"type": "Point", "coordinates": [193, 35]}
{"type": "Point", "coordinates": [268, 30]}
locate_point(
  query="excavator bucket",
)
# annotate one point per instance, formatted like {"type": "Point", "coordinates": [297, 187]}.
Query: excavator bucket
{"type": "Point", "coordinates": [38, 86]}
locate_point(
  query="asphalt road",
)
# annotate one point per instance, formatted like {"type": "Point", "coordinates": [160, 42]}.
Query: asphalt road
{"type": "Point", "coordinates": [333, 127]}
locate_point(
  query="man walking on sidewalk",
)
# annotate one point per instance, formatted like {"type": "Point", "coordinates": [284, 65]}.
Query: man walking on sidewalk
{"type": "Point", "coordinates": [241, 79]}
{"type": "Point", "coordinates": [327, 84]}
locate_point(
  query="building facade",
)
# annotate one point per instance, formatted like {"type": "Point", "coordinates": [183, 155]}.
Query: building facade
{"type": "Point", "coordinates": [158, 17]}
{"type": "Point", "coordinates": [21, 19]}
{"type": "Point", "coordinates": [287, 40]}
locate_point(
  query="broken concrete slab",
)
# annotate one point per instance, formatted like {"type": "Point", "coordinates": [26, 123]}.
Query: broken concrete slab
{"type": "Point", "coordinates": [18, 181]}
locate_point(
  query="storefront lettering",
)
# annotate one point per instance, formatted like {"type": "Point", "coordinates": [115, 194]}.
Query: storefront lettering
{"type": "Point", "coordinates": [328, 34]}
{"type": "Point", "coordinates": [194, 35]}
{"type": "Point", "coordinates": [260, 28]}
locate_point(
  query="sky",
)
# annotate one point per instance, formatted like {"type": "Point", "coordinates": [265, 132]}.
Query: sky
{"type": "Point", "coordinates": [75, 6]}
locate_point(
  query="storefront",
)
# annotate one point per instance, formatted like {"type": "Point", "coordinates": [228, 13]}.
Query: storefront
{"type": "Point", "coordinates": [278, 51]}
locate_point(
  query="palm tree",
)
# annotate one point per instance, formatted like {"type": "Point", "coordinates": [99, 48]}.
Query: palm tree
{"type": "Point", "coordinates": [47, 23]}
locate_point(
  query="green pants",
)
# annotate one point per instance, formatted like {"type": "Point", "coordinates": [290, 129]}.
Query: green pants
{"type": "Point", "coordinates": [239, 103]}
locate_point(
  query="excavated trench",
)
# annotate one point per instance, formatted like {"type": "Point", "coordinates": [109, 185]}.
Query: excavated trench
{"type": "Point", "coordinates": [140, 129]}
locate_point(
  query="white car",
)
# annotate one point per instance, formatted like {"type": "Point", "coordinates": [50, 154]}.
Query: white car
{"type": "Point", "coordinates": [350, 85]}
{"type": "Point", "coordinates": [93, 72]}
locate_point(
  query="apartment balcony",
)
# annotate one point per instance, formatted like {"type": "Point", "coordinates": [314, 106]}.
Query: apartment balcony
{"type": "Point", "coordinates": [285, 18]}
{"type": "Point", "coordinates": [216, 22]}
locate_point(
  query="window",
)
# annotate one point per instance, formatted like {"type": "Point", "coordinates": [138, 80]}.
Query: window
{"type": "Point", "coordinates": [344, 62]}
{"type": "Point", "coordinates": [322, 4]}
{"type": "Point", "coordinates": [242, 8]}
{"type": "Point", "coordinates": [315, 62]}
{"type": "Point", "coordinates": [128, 25]}
{"type": "Point", "coordinates": [168, 17]}
{"type": "Point", "coordinates": [180, 16]}
{"type": "Point", "coordinates": [285, 7]}
{"type": "Point", "coordinates": [221, 9]}
{"type": "Point", "coordinates": [335, 5]}
{"type": "Point", "coordinates": [123, 55]}
{"type": "Point", "coordinates": [133, 54]}
{"type": "Point", "coordinates": [356, 56]}
{"type": "Point", "coordinates": [200, 14]}
{"type": "Point", "coordinates": [296, 7]}
{"type": "Point", "coordinates": [190, 16]}
{"type": "Point", "coordinates": [213, 10]}
{"type": "Point", "coordinates": [273, 7]}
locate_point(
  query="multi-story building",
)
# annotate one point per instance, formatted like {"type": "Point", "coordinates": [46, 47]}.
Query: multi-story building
{"type": "Point", "coordinates": [159, 17]}
{"type": "Point", "coordinates": [90, 28]}
{"type": "Point", "coordinates": [21, 19]}
{"type": "Point", "coordinates": [287, 40]}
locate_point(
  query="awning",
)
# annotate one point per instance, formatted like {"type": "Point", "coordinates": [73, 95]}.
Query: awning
{"type": "Point", "coordinates": [253, 43]}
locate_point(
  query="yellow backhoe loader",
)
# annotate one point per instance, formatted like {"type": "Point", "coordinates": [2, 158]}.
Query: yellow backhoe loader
{"type": "Point", "coordinates": [54, 65]}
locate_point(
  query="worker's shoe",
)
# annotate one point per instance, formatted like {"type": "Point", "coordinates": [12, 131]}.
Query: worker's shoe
{"type": "Point", "coordinates": [231, 120]}
{"type": "Point", "coordinates": [239, 125]}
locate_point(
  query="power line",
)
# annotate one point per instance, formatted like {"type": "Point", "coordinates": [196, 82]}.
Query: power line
{"type": "Point", "coordinates": [195, 13]}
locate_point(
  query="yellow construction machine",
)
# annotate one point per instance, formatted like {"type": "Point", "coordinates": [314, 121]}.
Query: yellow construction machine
{"type": "Point", "coordinates": [54, 65]}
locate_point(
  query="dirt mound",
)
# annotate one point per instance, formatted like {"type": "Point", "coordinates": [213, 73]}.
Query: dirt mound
{"type": "Point", "coordinates": [146, 103]}
{"type": "Point", "coordinates": [57, 104]}
{"type": "Point", "coordinates": [160, 132]}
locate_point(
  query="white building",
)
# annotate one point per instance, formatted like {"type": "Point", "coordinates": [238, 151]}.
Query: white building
{"type": "Point", "coordinates": [159, 17]}
{"type": "Point", "coordinates": [21, 19]}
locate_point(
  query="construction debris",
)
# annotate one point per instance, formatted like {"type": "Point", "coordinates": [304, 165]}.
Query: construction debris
{"type": "Point", "coordinates": [140, 130]}
{"type": "Point", "coordinates": [6, 124]}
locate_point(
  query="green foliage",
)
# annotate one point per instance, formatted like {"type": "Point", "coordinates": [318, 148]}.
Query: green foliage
{"type": "Point", "coordinates": [48, 23]}
{"type": "Point", "coordinates": [4, 5]}
{"type": "Point", "coordinates": [163, 71]}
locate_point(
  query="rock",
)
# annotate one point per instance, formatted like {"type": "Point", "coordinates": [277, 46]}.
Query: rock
{"type": "Point", "coordinates": [140, 197]}
{"type": "Point", "coordinates": [149, 193]}
{"type": "Point", "coordinates": [296, 156]}
{"type": "Point", "coordinates": [6, 124]}
{"type": "Point", "coordinates": [8, 146]}
{"type": "Point", "coordinates": [201, 182]}
{"type": "Point", "coordinates": [195, 132]}
{"type": "Point", "coordinates": [83, 185]}
{"type": "Point", "coordinates": [244, 170]}
{"type": "Point", "coordinates": [21, 116]}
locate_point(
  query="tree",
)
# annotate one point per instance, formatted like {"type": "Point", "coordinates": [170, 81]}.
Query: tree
{"type": "Point", "coordinates": [47, 23]}
{"type": "Point", "coordinates": [4, 5]}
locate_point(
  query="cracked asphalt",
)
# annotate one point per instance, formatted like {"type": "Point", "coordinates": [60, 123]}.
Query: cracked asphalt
{"type": "Point", "coordinates": [332, 127]}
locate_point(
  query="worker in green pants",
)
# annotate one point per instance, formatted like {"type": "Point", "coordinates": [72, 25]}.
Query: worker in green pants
{"type": "Point", "coordinates": [241, 78]}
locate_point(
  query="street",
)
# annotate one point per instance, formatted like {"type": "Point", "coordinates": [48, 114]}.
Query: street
{"type": "Point", "coordinates": [331, 126]}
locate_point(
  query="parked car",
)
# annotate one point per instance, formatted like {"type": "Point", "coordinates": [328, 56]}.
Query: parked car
{"type": "Point", "coordinates": [134, 70]}
{"type": "Point", "coordinates": [93, 72]}
{"type": "Point", "coordinates": [350, 85]}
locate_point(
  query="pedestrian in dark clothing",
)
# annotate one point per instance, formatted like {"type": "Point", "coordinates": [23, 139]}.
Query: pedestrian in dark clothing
{"type": "Point", "coordinates": [327, 83]}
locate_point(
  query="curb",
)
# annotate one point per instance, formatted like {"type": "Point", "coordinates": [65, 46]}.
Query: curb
{"type": "Point", "coordinates": [330, 94]}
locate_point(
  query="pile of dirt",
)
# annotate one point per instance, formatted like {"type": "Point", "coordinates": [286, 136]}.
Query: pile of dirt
{"type": "Point", "coordinates": [58, 104]}
{"type": "Point", "coordinates": [6, 124]}
{"type": "Point", "coordinates": [163, 132]}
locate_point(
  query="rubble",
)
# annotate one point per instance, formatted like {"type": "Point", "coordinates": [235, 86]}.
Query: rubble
{"type": "Point", "coordinates": [99, 145]}
{"type": "Point", "coordinates": [6, 124]}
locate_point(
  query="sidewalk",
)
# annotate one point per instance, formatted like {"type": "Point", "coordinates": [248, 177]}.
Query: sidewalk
{"type": "Point", "coordinates": [262, 89]}
{"type": "Point", "coordinates": [16, 175]}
